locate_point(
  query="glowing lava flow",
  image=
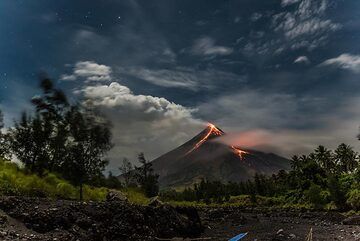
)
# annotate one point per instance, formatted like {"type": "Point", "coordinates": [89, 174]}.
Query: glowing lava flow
{"type": "Point", "coordinates": [212, 130]}
{"type": "Point", "coordinates": [239, 152]}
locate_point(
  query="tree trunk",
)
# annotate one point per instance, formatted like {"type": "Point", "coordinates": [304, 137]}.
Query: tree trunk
{"type": "Point", "coordinates": [81, 191]}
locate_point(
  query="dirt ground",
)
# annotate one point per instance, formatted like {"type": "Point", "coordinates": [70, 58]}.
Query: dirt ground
{"type": "Point", "coordinates": [35, 219]}
{"type": "Point", "coordinates": [276, 226]}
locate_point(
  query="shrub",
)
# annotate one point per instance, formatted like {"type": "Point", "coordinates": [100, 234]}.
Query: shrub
{"type": "Point", "coordinates": [353, 199]}
{"type": "Point", "coordinates": [135, 195]}
{"type": "Point", "coordinates": [313, 195]}
{"type": "Point", "coordinates": [96, 194]}
{"type": "Point", "coordinates": [65, 190]}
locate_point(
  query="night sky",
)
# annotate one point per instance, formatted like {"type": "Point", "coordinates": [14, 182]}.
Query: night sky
{"type": "Point", "coordinates": [278, 75]}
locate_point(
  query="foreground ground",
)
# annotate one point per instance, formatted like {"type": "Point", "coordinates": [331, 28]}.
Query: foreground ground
{"type": "Point", "coordinates": [221, 224]}
{"type": "Point", "coordinates": [43, 219]}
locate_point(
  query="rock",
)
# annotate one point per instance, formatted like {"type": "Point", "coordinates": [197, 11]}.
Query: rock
{"type": "Point", "coordinates": [3, 219]}
{"type": "Point", "coordinates": [116, 196]}
{"type": "Point", "coordinates": [353, 220]}
{"type": "Point", "coordinates": [155, 202]}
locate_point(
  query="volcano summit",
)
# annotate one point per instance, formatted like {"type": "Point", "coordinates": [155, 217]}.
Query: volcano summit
{"type": "Point", "coordinates": [205, 157]}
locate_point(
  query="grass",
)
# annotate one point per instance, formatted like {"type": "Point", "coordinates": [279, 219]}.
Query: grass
{"type": "Point", "coordinates": [244, 201]}
{"type": "Point", "coordinates": [135, 195]}
{"type": "Point", "coordinates": [15, 181]}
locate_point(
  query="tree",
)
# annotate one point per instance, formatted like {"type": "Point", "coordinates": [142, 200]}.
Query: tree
{"type": "Point", "coordinates": [4, 139]}
{"type": "Point", "coordinates": [28, 141]}
{"type": "Point", "coordinates": [146, 177]}
{"type": "Point", "coordinates": [126, 170]}
{"type": "Point", "coordinates": [112, 181]}
{"type": "Point", "coordinates": [51, 108]}
{"type": "Point", "coordinates": [88, 142]}
{"type": "Point", "coordinates": [346, 158]}
{"type": "Point", "coordinates": [336, 193]}
{"type": "Point", "coordinates": [324, 158]}
{"type": "Point", "coordinates": [313, 194]}
{"type": "Point", "coordinates": [39, 141]}
{"type": "Point", "coordinates": [295, 163]}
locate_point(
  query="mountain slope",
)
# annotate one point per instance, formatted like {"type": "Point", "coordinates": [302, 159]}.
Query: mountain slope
{"type": "Point", "coordinates": [204, 157]}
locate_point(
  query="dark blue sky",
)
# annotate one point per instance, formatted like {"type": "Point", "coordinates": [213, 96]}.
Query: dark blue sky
{"type": "Point", "coordinates": [288, 69]}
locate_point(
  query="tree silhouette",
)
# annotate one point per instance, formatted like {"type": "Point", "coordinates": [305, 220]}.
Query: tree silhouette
{"type": "Point", "coordinates": [346, 158]}
{"type": "Point", "coordinates": [146, 177]}
{"type": "Point", "coordinates": [324, 158]}
{"type": "Point", "coordinates": [88, 141]}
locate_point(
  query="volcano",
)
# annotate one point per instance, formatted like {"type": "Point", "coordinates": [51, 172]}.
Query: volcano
{"type": "Point", "coordinates": [205, 157]}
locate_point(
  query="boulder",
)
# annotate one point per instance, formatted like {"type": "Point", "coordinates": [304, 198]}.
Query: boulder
{"type": "Point", "coordinates": [116, 196]}
{"type": "Point", "coordinates": [155, 202]}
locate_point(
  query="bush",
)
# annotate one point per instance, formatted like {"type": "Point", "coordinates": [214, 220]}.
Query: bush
{"type": "Point", "coordinates": [96, 194]}
{"type": "Point", "coordinates": [65, 190]}
{"type": "Point", "coordinates": [313, 195]}
{"type": "Point", "coordinates": [135, 195]}
{"type": "Point", "coordinates": [353, 199]}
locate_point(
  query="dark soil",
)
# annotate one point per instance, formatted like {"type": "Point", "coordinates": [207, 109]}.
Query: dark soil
{"type": "Point", "coordinates": [45, 220]}
{"type": "Point", "coordinates": [224, 223]}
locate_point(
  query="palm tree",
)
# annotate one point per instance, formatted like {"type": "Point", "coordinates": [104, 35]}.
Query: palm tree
{"type": "Point", "coordinates": [296, 163]}
{"type": "Point", "coordinates": [346, 158]}
{"type": "Point", "coordinates": [323, 157]}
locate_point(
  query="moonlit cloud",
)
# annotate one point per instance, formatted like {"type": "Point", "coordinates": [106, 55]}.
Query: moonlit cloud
{"type": "Point", "coordinates": [90, 71]}
{"type": "Point", "coordinates": [285, 3]}
{"type": "Point", "coordinates": [302, 60]}
{"type": "Point", "coordinates": [141, 123]}
{"type": "Point", "coordinates": [181, 77]}
{"type": "Point", "coordinates": [345, 61]}
{"type": "Point", "coordinates": [304, 25]}
{"type": "Point", "coordinates": [307, 26]}
{"type": "Point", "coordinates": [206, 47]}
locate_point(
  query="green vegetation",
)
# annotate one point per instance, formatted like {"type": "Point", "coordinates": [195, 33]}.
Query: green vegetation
{"type": "Point", "coordinates": [15, 180]}
{"type": "Point", "coordinates": [71, 140]}
{"type": "Point", "coordinates": [135, 195]}
{"type": "Point", "coordinates": [18, 181]}
{"type": "Point", "coordinates": [322, 180]}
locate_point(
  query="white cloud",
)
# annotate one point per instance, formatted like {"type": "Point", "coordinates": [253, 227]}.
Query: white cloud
{"type": "Point", "coordinates": [117, 95]}
{"type": "Point", "coordinates": [142, 123]}
{"type": "Point", "coordinates": [304, 25]}
{"type": "Point", "coordinates": [302, 60]}
{"type": "Point", "coordinates": [345, 61]}
{"type": "Point", "coordinates": [205, 46]}
{"type": "Point", "coordinates": [90, 71]}
{"type": "Point", "coordinates": [285, 3]}
{"type": "Point", "coordinates": [307, 26]}
{"type": "Point", "coordinates": [180, 77]}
